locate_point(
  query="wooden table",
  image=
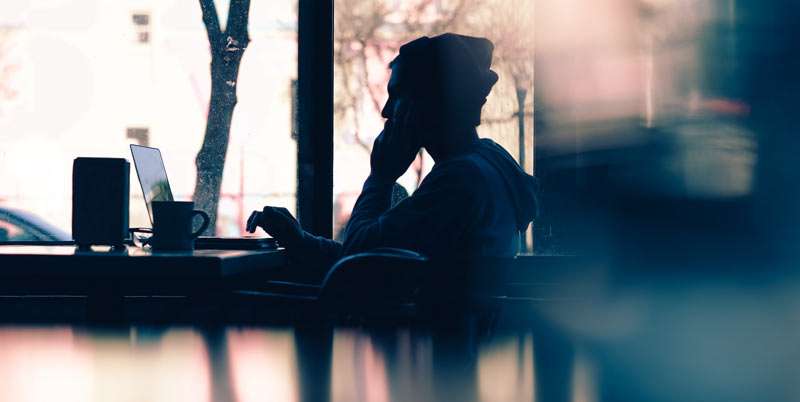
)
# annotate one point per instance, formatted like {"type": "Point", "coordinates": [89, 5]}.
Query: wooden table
{"type": "Point", "coordinates": [105, 276]}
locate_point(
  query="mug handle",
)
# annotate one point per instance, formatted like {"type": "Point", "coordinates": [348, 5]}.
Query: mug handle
{"type": "Point", "coordinates": [204, 226]}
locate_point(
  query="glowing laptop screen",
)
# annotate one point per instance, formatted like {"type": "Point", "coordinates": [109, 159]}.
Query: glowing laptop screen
{"type": "Point", "coordinates": [152, 175]}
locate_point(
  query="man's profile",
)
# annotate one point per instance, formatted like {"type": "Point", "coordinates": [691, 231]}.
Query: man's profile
{"type": "Point", "coordinates": [475, 200]}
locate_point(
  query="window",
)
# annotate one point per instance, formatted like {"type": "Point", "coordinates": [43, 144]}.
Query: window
{"type": "Point", "coordinates": [645, 104]}
{"type": "Point", "coordinates": [141, 22]}
{"type": "Point", "coordinates": [367, 37]}
{"type": "Point", "coordinates": [139, 135]}
{"type": "Point", "coordinates": [80, 93]}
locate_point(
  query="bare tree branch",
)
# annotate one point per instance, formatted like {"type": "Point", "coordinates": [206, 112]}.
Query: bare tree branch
{"type": "Point", "coordinates": [211, 22]}
{"type": "Point", "coordinates": [238, 17]}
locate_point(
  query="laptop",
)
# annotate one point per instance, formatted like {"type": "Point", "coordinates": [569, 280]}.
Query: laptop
{"type": "Point", "coordinates": [155, 187]}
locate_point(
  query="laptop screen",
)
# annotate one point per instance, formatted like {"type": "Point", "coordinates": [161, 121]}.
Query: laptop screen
{"type": "Point", "coordinates": [152, 175]}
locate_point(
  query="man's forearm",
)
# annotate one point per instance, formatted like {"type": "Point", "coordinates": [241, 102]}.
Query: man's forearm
{"type": "Point", "coordinates": [375, 199]}
{"type": "Point", "coordinates": [363, 228]}
{"type": "Point", "coordinates": [327, 250]}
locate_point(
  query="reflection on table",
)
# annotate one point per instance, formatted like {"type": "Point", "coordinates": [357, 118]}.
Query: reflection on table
{"type": "Point", "coordinates": [250, 364]}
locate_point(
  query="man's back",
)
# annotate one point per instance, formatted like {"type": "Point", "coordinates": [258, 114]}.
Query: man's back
{"type": "Point", "coordinates": [473, 204]}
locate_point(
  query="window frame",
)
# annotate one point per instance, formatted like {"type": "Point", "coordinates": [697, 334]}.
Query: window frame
{"type": "Point", "coordinates": [315, 116]}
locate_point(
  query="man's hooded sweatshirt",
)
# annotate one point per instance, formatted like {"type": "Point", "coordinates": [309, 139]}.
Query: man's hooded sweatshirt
{"type": "Point", "coordinates": [472, 205]}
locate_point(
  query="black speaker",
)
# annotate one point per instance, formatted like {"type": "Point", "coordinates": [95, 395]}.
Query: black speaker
{"type": "Point", "coordinates": [100, 195]}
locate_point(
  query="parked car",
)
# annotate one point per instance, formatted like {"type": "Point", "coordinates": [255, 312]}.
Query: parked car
{"type": "Point", "coordinates": [22, 226]}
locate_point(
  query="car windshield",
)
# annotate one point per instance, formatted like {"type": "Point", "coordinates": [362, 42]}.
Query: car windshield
{"type": "Point", "coordinates": [12, 232]}
{"type": "Point", "coordinates": [22, 226]}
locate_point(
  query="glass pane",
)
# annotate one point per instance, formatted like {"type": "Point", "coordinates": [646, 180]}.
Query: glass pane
{"type": "Point", "coordinates": [367, 37]}
{"type": "Point", "coordinates": [86, 78]}
{"type": "Point", "coordinates": [644, 104]}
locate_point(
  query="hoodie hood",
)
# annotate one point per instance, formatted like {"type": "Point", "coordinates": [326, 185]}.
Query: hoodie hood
{"type": "Point", "coordinates": [522, 187]}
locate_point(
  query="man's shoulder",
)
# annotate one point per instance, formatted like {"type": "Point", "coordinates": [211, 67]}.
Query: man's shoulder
{"type": "Point", "coordinates": [463, 166]}
{"type": "Point", "coordinates": [474, 164]}
{"type": "Point", "coordinates": [464, 174]}
{"type": "Point", "coordinates": [468, 162]}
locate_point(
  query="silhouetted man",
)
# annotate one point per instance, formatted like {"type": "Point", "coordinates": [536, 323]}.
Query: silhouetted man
{"type": "Point", "coordinates": [475, 200]}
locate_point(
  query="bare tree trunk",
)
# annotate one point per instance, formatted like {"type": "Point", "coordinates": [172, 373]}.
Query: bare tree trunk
{"type": "Point", "coordinates": [227, 49]}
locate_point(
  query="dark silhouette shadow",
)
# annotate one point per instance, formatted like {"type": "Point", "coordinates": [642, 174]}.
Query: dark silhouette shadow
{"type": "Point", "coordinates": [314, 348]}
{"type": "Point", "coordinates": [429, 365]}
{"type": "Point", "coordinates": [216, 341]}
{"type": "Point", "coordinates": [455, 368]}
{"type": "Point", "coordinates": [553, 361]}
{"type": "Point", "coordinates": [476, 199]}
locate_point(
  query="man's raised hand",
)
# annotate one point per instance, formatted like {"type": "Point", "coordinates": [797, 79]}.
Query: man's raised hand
{"type": "Point", "coordinates": [397, 145]}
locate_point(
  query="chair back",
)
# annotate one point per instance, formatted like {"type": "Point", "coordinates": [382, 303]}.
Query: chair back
{"type": "Point", "coordinates": [378, 281]}
{"type": "Point", "coordinates": [388, 282]}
